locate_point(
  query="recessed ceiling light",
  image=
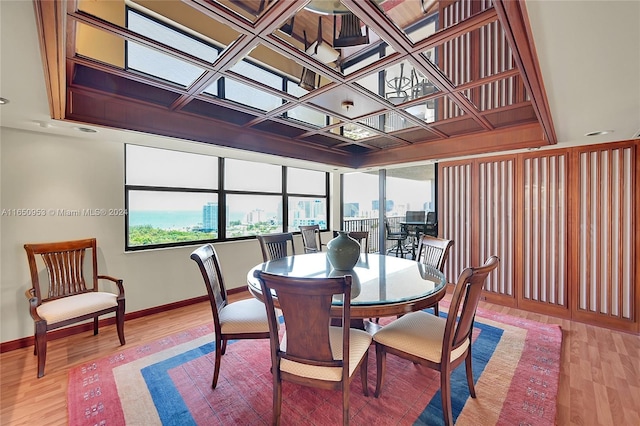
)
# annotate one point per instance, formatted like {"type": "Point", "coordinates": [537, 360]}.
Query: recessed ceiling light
{"type": "Point", "coordinates": [599, 132]}
{"type": "Point", "coordinates": [4, 101]}
{"type": "Point", "coordinates": [85, 130]}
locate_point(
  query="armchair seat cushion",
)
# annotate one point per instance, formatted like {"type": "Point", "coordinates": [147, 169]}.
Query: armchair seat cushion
{"type": "Point", "coordinates": [244, 316]}
{"type": "Point", "coordinates": [359, 342]}
{"type": "Point", "coordinates": [68, 307]}
{"type": "Point", "coordinates": [419, 334]}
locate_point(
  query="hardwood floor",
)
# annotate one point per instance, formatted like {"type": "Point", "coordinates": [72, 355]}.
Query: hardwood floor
{"type": "Point", "coordinates": [599, 372]}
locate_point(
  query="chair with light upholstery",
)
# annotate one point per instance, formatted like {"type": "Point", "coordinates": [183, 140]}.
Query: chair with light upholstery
{"type": "Point", "coordinates": [244, 319]}
{"type": "Point", "coordinates": [276, 246]}
{"type": "Point", "coordinates": [319, 48]}
{"type": "Point", "coordinates": [435, 342]}
{"type": "Point", "coordinates": [310, 352]}
{"type": "Point", "coordinates": [311, 238]}
{"type": "Point", "coordinates": [434, 252]}
{"type": "Point", "coordinates": [67, 299]}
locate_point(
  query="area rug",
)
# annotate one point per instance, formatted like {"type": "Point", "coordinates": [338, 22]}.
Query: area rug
{"type": "Point", "coordinates": [168, 382]}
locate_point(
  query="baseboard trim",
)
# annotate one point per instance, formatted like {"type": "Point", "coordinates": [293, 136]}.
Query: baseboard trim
{"type": "Point", "coordinates": [81, 328]}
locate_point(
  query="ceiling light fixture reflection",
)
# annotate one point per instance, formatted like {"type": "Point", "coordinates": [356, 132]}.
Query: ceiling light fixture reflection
{"type": "Point", "coordinates": [329, 7]}
{"type": "Point", "coordinates": [346, 105]}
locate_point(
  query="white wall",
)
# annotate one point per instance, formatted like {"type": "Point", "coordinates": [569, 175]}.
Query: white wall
{"type": "Point", "coordinates": [40, 171]}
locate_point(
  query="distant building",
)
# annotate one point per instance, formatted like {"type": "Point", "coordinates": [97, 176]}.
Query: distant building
{"type": "Point", "coordinates": [351, 209]}
{"type": "Point", "coordinates": [375, 205]}
{"type": "Point", "coordinates": [210, 217]}
{"type": "Point", "coordinates": [309, 212]}
{"type": "Point", "coordinates": [256, 216]}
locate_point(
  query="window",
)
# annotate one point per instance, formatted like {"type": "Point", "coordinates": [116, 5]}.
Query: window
{"type": "Point", "coordinates": [408, 188]}
{"type": "Point", "coordinates": [310, 209]}
{"type": "Point", "coordinates": [171, 197]}
{"type": "Point", "coordinates": [175, 198]}
{"type": "Point", "coordinates": [232, 87]}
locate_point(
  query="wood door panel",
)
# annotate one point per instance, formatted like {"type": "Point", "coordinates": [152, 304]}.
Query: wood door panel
{"type": "Point", "coordinates": [544, 230]}
{"type": "Point", "coordinates": [496, 223]}
{"type": "Point", "coordinates": [605, 210]}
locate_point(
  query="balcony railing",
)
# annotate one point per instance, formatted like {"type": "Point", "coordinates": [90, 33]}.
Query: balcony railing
{"type": "Point", "coordinates": [372, 225]}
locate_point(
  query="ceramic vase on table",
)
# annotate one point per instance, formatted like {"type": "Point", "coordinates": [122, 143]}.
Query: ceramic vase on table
{"type": "Point", "coordinates": [343, 252]}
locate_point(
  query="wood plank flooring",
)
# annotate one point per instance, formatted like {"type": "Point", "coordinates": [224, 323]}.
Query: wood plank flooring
{"type": "Point", "coordinates": [599, 372]}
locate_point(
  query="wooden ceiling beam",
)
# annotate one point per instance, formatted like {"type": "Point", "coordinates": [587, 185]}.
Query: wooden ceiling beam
{"type": "Point", "coordinates": [515, 23]}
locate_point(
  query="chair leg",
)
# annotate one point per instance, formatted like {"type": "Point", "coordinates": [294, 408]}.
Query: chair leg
{"type": "Point", "coordinates": [445, 393]}
{"type": "Point", "coordinates": [436, 310]}
{"type": "Point", "coordinates": [224, 346]}
{"type": "Point", "coordinates": [277, 397]}
{"type": "Point", "coordinates": [41, 346]}
{"type": "Point", "coordinates": [218, 360]}
{"type": "Point", "coordinates": [381, 366]}
{"type": "Point", "coordinates": [95, 326]}
{"type": "Point", "coordinates": [364, 370]}
{"type": "Point", "coordinates": [120, 322]}
{"type": "Point", "coordinates": [345, 404]}
{"type": "Point", "coordinates": [467, 362]}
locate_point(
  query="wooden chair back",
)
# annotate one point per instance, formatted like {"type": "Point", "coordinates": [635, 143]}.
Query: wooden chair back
{"type": "Point", "coordinates": [311, 239]}
{"type": "Point", "coordinates": [433, 251]}
{"type": "Point", "coordinates": [361, 237]}
{"type": "Point", "coordinates": [65, 265]}
{"type": "Point", "coordinates": [350, 33]}
{"type": "Point", "coordinates": [305, 304]}
{"type": "Point", "coordinates": [276, 246]}
{"type": "Point", "coordinates": [207, 260]}
{"type": "Point", "coordinates": [464, 303]}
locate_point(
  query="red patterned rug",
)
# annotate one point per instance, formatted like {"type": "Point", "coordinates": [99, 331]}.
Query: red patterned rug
{"type": "Point", "coordinates": [168, 382]}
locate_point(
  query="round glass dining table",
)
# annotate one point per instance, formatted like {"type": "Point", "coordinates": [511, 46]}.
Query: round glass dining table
{"type": "Point", "coordinates": [381, 285]}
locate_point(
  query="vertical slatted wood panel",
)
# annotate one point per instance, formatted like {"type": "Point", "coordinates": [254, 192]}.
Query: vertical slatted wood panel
{"type": "Point", "coordinates": [606, 241]}
{"type": "Point", "coordinates": [563, 222]}
{"type": "Point", "coordinates": [544, 260]}
{"type": "Point", "coordinates": [496, 223]}
{"type": "Point", "coordinates": [454, 217]}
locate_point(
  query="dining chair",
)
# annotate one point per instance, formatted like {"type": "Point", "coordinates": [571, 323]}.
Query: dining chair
{"type": "Point", "coordinates": [362, 237]}
{"type": "Point", "coordinates": [319, 48]}
{"type": "Point", "coordinates": [311, 352]}
{"type": "Point", "coordinates": [399, 237]}
{"type": "Point", "coordinates": [276, 246]}
{"type": "Point", "coordinates": [244, 319]}
{"type": "Point", "coordinates": [436, 342]}
{"type": "Point", "coordinates": [431, 227]}
{"type": "Point", "coordinates": [414, 231]}
{"type": "Point", "coordinates": [67, 298]}
{"type": "Point", "coordinates": [434, 251]}
{"type": "Point", "coordinates": [311, 239]}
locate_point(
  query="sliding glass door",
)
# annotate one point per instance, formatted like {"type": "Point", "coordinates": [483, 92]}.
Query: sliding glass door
{"type": "Point", "coordinates": [398, 190]}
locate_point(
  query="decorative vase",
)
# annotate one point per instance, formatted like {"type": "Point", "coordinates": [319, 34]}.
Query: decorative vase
{"type": "Point", "coordinates": [343, 252]}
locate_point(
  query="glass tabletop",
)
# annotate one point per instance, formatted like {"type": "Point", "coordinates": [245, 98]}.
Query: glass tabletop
{"type": "Point", "coordinates": [376, 279]}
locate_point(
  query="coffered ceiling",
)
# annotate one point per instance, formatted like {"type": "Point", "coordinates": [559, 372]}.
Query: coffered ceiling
{"type": "Point", "coordinates": [434, 79]}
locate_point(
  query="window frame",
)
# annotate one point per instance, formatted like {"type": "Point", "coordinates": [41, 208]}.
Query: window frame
{"type": "Point", "coordinates": [222, 194]}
